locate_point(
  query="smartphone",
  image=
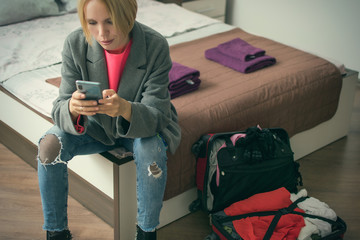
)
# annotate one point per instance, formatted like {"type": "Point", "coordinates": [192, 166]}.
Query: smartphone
{"type": "Point", "coordinates": [90, 89]}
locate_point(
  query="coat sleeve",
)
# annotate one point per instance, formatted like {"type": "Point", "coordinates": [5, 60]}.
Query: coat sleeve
{"type": "Point", "coordinates": [69, 73]}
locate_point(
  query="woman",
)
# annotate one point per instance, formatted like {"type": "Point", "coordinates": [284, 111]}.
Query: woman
{"type": "Point", "coordinates": [131, 62]}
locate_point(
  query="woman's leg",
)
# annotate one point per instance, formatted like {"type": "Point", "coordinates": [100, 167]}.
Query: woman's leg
{"type": "Point", "coordinates": [151, 172]}
{"type": "Point", "coordinates": [56, 148]}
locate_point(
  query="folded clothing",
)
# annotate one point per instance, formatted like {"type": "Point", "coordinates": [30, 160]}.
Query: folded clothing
{"type": "Point", "coordinates": [240, 56]}
{"type": "Point", "coordinates": [239, 49]}
{"type": "Point", "coordinates": [183, 79]}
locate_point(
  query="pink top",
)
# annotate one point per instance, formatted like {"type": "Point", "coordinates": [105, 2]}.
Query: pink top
{"type": "Point", "coordinates": [115, 65]}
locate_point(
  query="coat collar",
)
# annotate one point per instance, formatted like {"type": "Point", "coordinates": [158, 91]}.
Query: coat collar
{"type": "Point", "coordinates": [134, 69]}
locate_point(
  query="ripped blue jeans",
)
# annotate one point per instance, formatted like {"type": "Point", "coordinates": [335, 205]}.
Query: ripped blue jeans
{"type": "Point", "coordinates": [56, 148]}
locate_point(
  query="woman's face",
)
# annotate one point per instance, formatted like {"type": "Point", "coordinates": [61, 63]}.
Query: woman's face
{"type": "Point", "coordinates": [101, 27]}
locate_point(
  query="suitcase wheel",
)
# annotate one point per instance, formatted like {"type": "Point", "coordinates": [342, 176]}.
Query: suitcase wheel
{"type": "Point", "coordinates": [195, 205]}
{"type": "Point", "coordinates": [212, 236]}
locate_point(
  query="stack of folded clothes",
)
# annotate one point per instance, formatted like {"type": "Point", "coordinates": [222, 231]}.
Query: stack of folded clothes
{"type": "Point", "coordinates": [240, 56]}
{"type": "Point", "coordinates": [183, 79]}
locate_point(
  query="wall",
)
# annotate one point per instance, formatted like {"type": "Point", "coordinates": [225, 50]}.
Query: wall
{"type": "Point", "coordinates": [328, 28]}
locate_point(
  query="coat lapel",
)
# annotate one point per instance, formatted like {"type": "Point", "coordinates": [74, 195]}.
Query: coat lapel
{"type": "Point", "coordinates": [135, 67]}
{"type": "Point", "coordinates": [96, 65]}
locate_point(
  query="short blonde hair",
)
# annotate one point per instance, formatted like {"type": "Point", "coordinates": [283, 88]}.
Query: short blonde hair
{"type": "Point", "coordinates": [122, 14]}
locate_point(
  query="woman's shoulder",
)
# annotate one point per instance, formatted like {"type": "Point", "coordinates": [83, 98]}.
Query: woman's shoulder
{"type": "Point", "coordinates": [75, 42]}
{"type": "Point", "coordinates": [76, 35]}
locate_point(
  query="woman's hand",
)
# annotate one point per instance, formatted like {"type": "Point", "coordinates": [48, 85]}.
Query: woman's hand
{"type": "Point", "coordinates": [79, 106]}
{"type": "Point", "coordinates": [114, 106]}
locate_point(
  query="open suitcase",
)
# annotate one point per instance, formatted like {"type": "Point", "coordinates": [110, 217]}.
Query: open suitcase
{"type": "Point", "coordinates": [238, 221]}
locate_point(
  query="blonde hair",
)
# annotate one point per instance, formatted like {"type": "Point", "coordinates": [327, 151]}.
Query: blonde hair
{"type": "Point", "coordinates": [122, 14]}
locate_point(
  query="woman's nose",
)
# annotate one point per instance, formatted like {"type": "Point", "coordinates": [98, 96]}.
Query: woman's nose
{"type": "Point", "coordinates": [102, 30]}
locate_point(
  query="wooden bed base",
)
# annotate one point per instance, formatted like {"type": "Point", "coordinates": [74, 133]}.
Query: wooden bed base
{"type": "Point", "coordinates": [119, 211]}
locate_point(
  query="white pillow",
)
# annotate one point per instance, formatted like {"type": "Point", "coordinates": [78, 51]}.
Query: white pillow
{"type": "Point", "coordinates": [69, 6]}
{"type": "Point", "coordinates": [145, 3]}
{"type": "Point", "coordinates": [13, 11]}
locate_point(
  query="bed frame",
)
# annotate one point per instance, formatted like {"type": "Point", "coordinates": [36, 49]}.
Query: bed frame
{"type": "Point", "coordinates": [117, 176]}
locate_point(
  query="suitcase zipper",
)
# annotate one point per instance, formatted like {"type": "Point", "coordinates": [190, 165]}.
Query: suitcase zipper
{"type": "Point", "coordinates": [250, 170]}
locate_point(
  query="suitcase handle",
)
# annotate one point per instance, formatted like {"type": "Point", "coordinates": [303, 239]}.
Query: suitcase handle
{"type": "Point", "coordinates": [257, 145]}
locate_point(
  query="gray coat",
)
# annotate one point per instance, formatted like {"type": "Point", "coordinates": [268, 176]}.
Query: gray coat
{"type": "Point", "coordinates": [144, 84]}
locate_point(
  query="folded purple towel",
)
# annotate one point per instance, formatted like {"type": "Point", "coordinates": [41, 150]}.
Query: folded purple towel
{"type": "Point", "coordinates": [239, 49]}
{"type": "Point", "coordinates": [183, 79]}
{"type": "Point", "coordinates": [216, 55]}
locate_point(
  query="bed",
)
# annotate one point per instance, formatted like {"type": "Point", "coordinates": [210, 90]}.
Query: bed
{"type": "Point", "coordinates": [307, 95]}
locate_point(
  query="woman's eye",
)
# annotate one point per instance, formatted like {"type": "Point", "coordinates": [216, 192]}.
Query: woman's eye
{"type": "Point", "coordinates": [109, 22]}
{"type": "Point", "coordinates": [91, 22]}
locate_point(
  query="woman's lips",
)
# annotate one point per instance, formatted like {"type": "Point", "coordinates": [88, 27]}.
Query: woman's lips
{"type": "Point", "coordinates": [106, 42]}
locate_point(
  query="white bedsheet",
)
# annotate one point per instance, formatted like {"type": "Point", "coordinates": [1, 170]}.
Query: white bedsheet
{"type": "Point", "coordinates": [33, 44]}
{"type": "Point", "coordinates": [171, 19]}
{"type": "Point", "coordinates": [30, 87]}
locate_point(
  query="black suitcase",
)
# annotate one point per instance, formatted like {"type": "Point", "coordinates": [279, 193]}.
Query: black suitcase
{"type": "Point", "coordinates": [260, 160]}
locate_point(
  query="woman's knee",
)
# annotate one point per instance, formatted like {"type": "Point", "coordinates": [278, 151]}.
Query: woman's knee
{"type": "Point", "coordinates": [150, 153]}
{"type": "Point", "coordinates": [49, 149]}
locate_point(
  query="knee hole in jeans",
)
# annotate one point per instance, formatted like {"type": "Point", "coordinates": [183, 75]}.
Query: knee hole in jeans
{"type": "Point", "coordinates": [154, 170]}
{"type": "Point", "coordinates": [49, 149]}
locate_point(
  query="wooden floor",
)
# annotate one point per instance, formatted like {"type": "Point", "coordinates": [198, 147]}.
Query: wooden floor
{"type": "Point", "coordinates": [331, 174]}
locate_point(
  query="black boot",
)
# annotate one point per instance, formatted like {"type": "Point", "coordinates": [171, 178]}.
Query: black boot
{"type": "Point", "coordinates": [141, 235]}
{"type": "Point", "coordinates": [63, 235]}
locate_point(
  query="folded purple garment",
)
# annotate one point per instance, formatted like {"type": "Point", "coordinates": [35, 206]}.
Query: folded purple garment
{"type": "Point", "coordinates": [239, 49]}
{"type": "Point", "coordinates": [183, 79]}
{"type": "Point", "coordinates": [242, 66]}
